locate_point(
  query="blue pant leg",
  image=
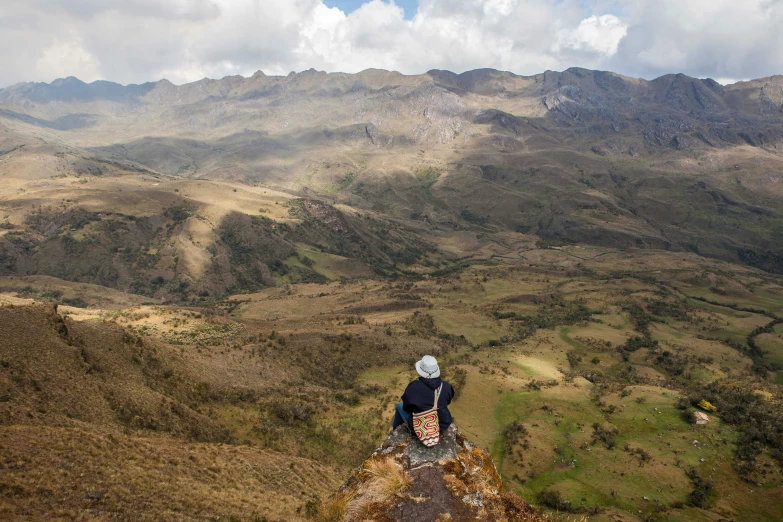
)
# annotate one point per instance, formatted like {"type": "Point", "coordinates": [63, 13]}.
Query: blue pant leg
{"type": "Point", "coordinates": [401, 416]}
{"type": "Point", "coordinates": [397, 417]}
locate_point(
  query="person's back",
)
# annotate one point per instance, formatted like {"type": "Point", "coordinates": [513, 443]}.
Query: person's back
{"type": "Point", "coordinates": [419, 396]}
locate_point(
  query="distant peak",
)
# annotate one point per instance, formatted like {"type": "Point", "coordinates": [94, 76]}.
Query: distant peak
{"type": "Point", "coordinates": [70, 80]}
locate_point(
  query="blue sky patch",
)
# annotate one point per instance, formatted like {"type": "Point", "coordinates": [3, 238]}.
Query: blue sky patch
{"type": "Point", "coordinates": [348, 6]}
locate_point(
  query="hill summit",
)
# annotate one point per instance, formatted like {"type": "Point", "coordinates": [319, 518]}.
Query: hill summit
{"type": "Point", "coordinates": [405, 480]}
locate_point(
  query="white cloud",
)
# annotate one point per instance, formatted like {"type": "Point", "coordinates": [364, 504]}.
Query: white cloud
{"type": "Point", "coordinates": [715, 38]}
{"type": "Point", "coordinates": [728, 81]}
{"type": "Point", "coordinates": [169, 9]}
{"type": "Point", "coordinates": [185, 40]}
{"type": "Point", "coordinates": [601, 34]}
{"type": "Point", "coordinates": [63, 57]}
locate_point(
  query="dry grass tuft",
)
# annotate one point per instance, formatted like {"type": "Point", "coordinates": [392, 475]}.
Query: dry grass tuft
{"type": "Point", "coordinates": [382, 478]}
{"type": "Point", "coordinates": [334, 509]}
{"type": "Point", "coordinates": [387, 478]}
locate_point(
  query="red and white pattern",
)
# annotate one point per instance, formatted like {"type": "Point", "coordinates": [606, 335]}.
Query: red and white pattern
{"type": "Point", "coordinates": [426, 424]}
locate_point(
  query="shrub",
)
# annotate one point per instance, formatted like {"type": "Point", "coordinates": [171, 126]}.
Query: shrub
{"type": "Point", "coordinates": [512, 434]}
{"type": "Point", "coordinates": [683, 403]}
{"type": "Point", "coordinates": [76, 302]}
{"type": "Point", "coordinates": [637, 342]}
{"type": "Point", "coordinates": [606, 435]}
{"type": "Point", "coordinates": [679, 310]}
{"type": "Point", "coordinates": [178, 213]}
{"type": "Point", "coordinates": [292, 410]}
{"type": "Point", "coordinates": [457, 377]}
{"type": "Point", "coordinates": [350, 399]}
{"type": "Point", "coordinates": [52, 294]}
{"type": "Point", "coordinates": [553, 499]}
{"type": "Point", "coordinates": [703, 488]}
{"type": "Point", "coordinates": [689, 416]}
{"type": "Point", "coordinates": [470, 217]}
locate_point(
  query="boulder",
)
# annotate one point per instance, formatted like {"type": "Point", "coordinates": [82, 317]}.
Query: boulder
{"type": "Point", "coordinates": [701, 418]}
{"type": "Point", "coordinates": [404, 480]}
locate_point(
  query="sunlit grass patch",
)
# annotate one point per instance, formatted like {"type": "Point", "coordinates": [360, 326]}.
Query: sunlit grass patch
{"type": "Point", "coordinates": [476, 327]}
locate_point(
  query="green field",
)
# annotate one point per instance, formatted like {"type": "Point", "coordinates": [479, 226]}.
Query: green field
{"type": "Point", "coordinates": [582, 387]}
{"type": "Point", "coordinates": [540, 382]}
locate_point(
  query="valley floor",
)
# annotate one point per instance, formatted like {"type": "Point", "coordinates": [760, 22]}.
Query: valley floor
{"type": "Point", "coordinates": [580, 375]}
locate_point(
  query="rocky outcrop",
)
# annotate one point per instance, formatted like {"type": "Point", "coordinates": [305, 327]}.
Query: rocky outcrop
{"type": "Point", "coordinates": [404, 480]}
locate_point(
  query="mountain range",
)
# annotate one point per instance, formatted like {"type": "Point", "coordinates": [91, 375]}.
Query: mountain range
{"type": "Point", "coordinates": [674, 163]}
{"type": "Point", "coordinates": [223, 286]}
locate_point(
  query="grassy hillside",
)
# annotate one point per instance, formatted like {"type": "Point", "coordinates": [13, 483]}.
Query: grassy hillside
{"type": "Point", "coordinates": [580, 375]}
{"type": "Point", "coordinates": [224, 286]}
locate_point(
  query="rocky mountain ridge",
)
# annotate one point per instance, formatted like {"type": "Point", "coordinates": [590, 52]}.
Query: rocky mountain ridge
{"type": "Point", "coordinates": [671, 111]}
{"type": "Point", "coordinates": [707, 93]}
{"type": "Point", "coordinates": [581, 156]}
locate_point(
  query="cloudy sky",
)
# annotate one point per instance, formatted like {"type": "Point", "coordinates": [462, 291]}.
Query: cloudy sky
{"type": "Point", "coordinates": [133, 41]}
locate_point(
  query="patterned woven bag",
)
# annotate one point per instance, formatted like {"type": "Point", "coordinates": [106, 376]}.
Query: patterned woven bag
{"type": "Point", "coordinates": [426, 424]}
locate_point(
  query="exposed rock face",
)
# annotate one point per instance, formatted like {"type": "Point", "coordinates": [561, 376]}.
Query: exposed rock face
{"type": "Point", "coordinates": [404, 480]}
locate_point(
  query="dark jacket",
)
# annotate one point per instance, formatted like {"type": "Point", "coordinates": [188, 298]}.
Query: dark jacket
{"type": "Point", "coordinates": [419, 396]}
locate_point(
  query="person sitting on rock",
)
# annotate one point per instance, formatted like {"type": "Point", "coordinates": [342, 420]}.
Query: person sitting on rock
{"type": "Point", "coordinates": [419, 396]}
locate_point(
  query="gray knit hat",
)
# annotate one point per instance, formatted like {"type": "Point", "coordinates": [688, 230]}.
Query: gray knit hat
{"type": "Point", "coordinates": [428, 367]}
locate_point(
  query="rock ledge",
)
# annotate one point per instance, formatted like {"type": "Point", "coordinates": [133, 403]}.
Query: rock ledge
{"type": "Point", "coordinates": [405, 481]}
